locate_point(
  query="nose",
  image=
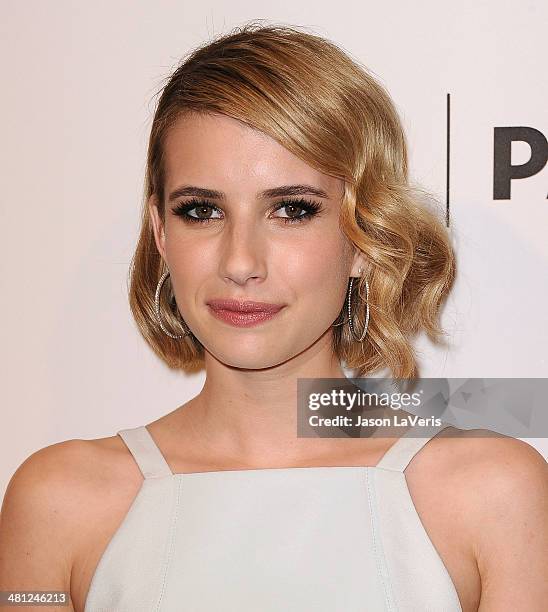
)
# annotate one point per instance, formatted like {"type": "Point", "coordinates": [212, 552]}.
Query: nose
{"type": "Point", "coordinates": [242, 255]}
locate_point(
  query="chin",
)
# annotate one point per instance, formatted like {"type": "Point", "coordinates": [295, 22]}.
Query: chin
{"type": "Point", "coordinates": [251, 355]}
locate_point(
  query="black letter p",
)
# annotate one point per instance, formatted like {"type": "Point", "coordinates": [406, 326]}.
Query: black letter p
{"type": "Point", "coordinates": [504, 172]}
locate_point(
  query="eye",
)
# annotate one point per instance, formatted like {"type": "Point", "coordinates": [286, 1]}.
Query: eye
{"type": "Point", "coordinates": [203, 210]}
{"type": "Point", "coordinates": [308, 209]}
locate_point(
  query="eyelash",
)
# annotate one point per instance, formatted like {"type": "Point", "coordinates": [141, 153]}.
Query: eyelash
{"type": "Point", "coordinates": [310, 207]}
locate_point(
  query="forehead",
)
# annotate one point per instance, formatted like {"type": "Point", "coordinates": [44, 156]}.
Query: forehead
{"type": "Point", "coordinates": [220, 152]}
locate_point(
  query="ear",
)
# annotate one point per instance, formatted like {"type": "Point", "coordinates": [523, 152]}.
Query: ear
{"type": "Point", "coordinates": [359, 262]}
{"type": "Point", "coordinates": [157, 226]}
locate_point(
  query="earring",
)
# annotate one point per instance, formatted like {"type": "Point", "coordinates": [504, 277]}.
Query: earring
{"type": "Point", "coordinates": [157, 310]}
{"type": "Point", "coordinates": [349, 306]}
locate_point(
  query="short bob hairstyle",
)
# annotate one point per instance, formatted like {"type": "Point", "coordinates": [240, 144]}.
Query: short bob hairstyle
{"type": "Point", "coordinates": [312, 98]}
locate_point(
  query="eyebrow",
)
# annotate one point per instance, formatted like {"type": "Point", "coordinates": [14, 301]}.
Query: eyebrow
{"type": "Point", "coordinates": [285, 190]}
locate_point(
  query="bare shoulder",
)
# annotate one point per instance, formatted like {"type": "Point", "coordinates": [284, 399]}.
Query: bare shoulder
{"type": "Point", "coordinates": [501, 463]}
{"type": "Point", "coordinates": [478, 449]}
{"type": "Point", "coordinates": [482, 466]}
{"type": "Point", "coordinates": [505, 476]}
{"type": "Point", "coordinates": [50, 498]}
{"type": "Point", "coordinates": [58, 473]}
{"type": "Point", "coordinates": [496, 493]}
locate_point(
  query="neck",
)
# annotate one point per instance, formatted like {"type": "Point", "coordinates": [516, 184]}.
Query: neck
{"type": "Point", "coordinates": [250, 416]}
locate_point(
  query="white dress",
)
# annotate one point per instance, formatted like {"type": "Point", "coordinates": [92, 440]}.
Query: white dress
{"type": "Point", "coordinates": [302, 539]}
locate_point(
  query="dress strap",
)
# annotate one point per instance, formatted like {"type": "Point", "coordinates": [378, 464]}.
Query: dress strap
{"type": "Point", "coordinates": [399, 455]}
{"type": "Point", "coordinates": [145, 451]}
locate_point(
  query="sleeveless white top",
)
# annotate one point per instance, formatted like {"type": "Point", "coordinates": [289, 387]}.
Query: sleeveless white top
{"type": "Point", "coordinates": [322, 539]}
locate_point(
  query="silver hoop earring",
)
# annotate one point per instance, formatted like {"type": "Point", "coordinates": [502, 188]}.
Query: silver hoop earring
{"type": "Point", "coordinates": [350, 319]}
{"type": "Point", "coordinates": [157, 310]}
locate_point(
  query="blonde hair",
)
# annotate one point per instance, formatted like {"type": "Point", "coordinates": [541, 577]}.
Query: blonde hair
{"type": "Point", "coordinates": [327, 109]}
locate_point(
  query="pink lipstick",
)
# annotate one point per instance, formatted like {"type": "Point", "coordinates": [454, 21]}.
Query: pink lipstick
{"type": "Point", "coordinates": [243, 313]}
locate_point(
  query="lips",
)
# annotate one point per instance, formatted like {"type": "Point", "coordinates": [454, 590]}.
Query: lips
{"type": "Point", "coordinates": [245, 306]}
{"type": "Point", "coordinates": [243, 313]}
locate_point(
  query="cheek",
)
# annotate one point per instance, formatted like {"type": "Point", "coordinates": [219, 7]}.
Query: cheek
{"type": "Point", "coordinates": [189, 264]}
{"type": "Point", "coordinates": [319, 270]}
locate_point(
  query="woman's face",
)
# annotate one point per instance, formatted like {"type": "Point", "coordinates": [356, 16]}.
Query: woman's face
{"type": "Point", "coordinates": [241, 244]}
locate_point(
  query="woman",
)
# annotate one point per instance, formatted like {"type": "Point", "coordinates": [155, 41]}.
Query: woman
{"type": "Point", "coordinates": [280, 238]}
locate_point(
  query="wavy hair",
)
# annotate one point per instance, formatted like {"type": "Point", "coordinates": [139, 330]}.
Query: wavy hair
{"type": "Point", "coordinates": [326, 108]}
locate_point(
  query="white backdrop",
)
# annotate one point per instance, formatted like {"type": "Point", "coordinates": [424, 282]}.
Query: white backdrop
{"type": "Point", "coordinates": [78, 81]}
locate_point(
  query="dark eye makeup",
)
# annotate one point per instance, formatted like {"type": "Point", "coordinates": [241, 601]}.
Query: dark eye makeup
{"type": "Point", "coordinates": [204, 207]}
